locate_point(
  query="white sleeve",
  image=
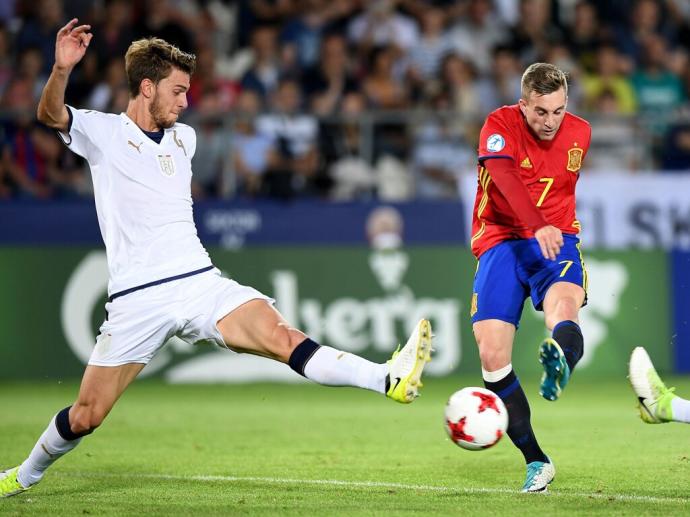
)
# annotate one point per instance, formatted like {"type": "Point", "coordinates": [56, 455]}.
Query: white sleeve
{"type": "Point", "coordinates": [86, 133]}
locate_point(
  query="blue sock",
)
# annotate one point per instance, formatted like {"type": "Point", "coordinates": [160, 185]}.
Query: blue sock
{"type": "Point", "coordinates": [519, 425]}
{"type": "Point", "coordinates": [569, 337]}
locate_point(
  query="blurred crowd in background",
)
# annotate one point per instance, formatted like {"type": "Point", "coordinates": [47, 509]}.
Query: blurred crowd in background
{"type": "Point", "coordinates": [352, 99]}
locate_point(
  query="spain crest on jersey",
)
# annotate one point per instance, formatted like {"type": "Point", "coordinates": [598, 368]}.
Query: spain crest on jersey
{"type": "Point", "coordinates": [575, 159]}
{"type": "Point", "coordinates": [166, 165]}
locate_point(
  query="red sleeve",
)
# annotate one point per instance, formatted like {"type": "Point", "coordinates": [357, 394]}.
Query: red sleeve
{"type": "Point", "coordinates": [506, 177]}
{"type": "Point", "coordinates": [496, 140]}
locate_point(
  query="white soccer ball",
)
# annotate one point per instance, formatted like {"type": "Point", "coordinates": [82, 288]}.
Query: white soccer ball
{"type": "Point", "coordinates": [476, 418]}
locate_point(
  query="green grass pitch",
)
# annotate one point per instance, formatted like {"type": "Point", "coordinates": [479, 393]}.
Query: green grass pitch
{"type": "Point", "coordinates": [268, 449]}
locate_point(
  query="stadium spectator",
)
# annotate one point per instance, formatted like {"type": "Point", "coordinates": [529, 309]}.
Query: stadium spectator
{"type": "Point", "coordinates": [440, 156]}
{"type": "Point", "coordinates": [475, 36]}
{"type": "Point", "coordinates": [381, 25]}
{"type": "Point", "coordinates": [294, 136]}
{"type": "Point", "coordinates": [305, 30]}
{"type": "Point", "coordinates": [216, 92]}
{"type": "Point", "coordinates": [24, 88]}
{"type": "Point", "coordinates": [264, 74]}
{"type": "Point", "coordinates": [162, 20]}
{"type": "Point", "coordinates": [102, 95]}
{"type": "Point", "coordinates": [425, 58]}
{"type": "Point", "coordinates": [351, 175]}
{"type": "Point", "coordinates": [645, 21]}
{"type": "Point", "coordinates": [381, 88]}
{"type": "Point", "coordinates": [609, 75]}
{"type": "Point", "coordinates": [502, 86]}
{"type": "Point", "coordinates": [460, 86]}
{"type": "Point", "coordinates": [326, 84]}
{"type": "Point", "coordinates": [252, 152]}
{"type": "Point", "coordinates": [114, 31]}
{"type": "Point", "coordinates": [38, 31]}
{"type": "Point", "coordinates": [613, 146]}
{"type": "Point", "coordinates": [583, 37]}
{"type": "Point", "coordinates": [534, 32]}
{"type": "Point", "coordinates": [659, 91]}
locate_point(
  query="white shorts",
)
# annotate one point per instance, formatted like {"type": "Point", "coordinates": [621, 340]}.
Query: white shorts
{"type": "Point", "coordinates": [139, 323]}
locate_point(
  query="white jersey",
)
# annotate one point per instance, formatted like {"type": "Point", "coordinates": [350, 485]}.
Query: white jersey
{"type": "Point", "coordinates": [143, 197]}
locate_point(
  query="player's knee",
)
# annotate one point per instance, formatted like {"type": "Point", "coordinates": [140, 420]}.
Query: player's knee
{"type": "Point", "coordinates": [567, 308]}
{"type": "Point", "coordinates": [284, 340]}
{"type": "Point", "coordinates": [86, 417]}
{"type": "Point", "coordinates": [492, 356]}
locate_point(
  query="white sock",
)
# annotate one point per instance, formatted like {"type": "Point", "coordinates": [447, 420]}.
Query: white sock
{"type": "Point", "coordinates": [49, 447]}
{"type": "Point", "coordinates": [333, 367]}
{"type": "Point", "coordinates": [681, 410]}
{"type": "Point", "coordinates": [497, 375]}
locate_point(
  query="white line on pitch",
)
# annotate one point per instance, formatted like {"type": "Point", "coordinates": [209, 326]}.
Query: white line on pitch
{"type": "Point", "coordinates": [401, 486]}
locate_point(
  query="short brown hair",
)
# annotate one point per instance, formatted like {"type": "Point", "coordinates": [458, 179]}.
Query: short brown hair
{"type": "Point", "coordinates": [154, 58]}
{"type": "Point", "coordinates": [543, 78]}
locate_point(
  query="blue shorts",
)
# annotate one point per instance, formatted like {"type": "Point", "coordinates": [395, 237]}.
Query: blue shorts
{"type": "Point", "coordinates": [513, 270]}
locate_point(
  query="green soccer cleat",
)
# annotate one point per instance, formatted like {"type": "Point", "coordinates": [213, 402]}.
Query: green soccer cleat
{"type": "Point", "coordinates": [406, 366]}
{"type": "Point", "coordinates": [556, 370]}
{"type": "Point", "coordinates": [653, 397]}
{"type": "Point", "coordinates": [9, 485]}
{"type": "Point", "coordinates": [539, 475]}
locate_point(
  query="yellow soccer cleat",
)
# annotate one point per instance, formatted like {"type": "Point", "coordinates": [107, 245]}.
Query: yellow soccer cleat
{"type": "Point", "coordinates": [9, 485]}
{"type": "Point", "coordinates": [653, 397]}
{"type": "Point", "coordinates": [406, 366]}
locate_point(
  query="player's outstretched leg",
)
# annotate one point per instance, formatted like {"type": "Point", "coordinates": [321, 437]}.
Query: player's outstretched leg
{"type": "Point", "coordinates": [655, 400]}
{"type": "Point", "coordinates": [405, 367]}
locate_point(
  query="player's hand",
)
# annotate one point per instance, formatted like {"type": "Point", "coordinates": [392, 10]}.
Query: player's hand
{"type": "Point", "coordinates": [71, 44]}
{"type": "Point", "coordinates": [550, 241]}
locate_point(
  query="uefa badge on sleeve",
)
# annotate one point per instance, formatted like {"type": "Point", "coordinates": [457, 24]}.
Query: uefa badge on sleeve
{"type": "Point", "coordinates": [495, 143]}
{"type": "Point", "coordinates": [166, 165]}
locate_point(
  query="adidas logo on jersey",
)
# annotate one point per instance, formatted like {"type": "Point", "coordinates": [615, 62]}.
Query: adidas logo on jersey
{"type": "Point", "coordinates": [526, 163]}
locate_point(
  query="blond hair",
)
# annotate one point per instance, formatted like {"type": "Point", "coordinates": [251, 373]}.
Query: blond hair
{"type": "Point", "coordinates": [154, 59]}
{"type": "Point", "coordinates": [543, 78]}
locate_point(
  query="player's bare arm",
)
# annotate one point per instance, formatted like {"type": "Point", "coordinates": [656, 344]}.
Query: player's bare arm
{"type": "Point", "coordinates": [70, 46]}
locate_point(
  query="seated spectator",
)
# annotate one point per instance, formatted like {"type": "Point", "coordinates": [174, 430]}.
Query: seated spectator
{"type": "Point", "coordinates": [610, 76]}
{"type": "Point", "coordinates": [252, 152]}
{"type": "Point", "coordinates": [614, 145]}
{"type": "Point", "coordinates": [326, 84]}
{"type": "Point", "coordinates": [381, 88]}
{"type": "Point", "coordinates": [424, 59]}
{"type": "Point", "coordinates": [583, 37]}
{"type": "Point", "coordinates": [381, 25]}
{"type": "Point", "coordinates": [25, 86]}
{"type": "Point", "coordinates": [265, 71]}
{"type": "Point", "coordinates": [352, 176]}
{"type": "Point", "coordinates": [38, 166]}
{"type": "Point", "coordinates": [208, 86]}
{"type": "Point", "coordinates": [474, 36]}
{"type": "Point", "coordinates": [503, 86]}
{"type": "Point", "coordinates": [294, 136]}
{"type": "Point", "coordinates": [103, 93]}
{"type": "Point", "coordinates": [440, 156]}
{"type": "Point", "coordinates": [658, 89]}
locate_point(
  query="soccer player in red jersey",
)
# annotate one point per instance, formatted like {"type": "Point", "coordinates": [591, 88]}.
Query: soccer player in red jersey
{"type": "Point", "coordinates": [524, 235]}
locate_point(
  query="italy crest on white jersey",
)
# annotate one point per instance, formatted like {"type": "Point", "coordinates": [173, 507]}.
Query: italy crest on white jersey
{"type": "Point", "coordinates": [143, 196]}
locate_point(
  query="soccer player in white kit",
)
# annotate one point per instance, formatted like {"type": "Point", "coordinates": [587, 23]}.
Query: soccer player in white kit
{"type": "Point", "coordinates": [161, 280]}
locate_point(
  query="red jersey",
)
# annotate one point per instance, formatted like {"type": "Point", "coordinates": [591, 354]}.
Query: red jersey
{"type": "Point", "coordinates": [549, 170]}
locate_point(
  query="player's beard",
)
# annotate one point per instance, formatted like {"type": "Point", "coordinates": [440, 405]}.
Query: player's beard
{"type": "Point", "coordinates": [157, 114]}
